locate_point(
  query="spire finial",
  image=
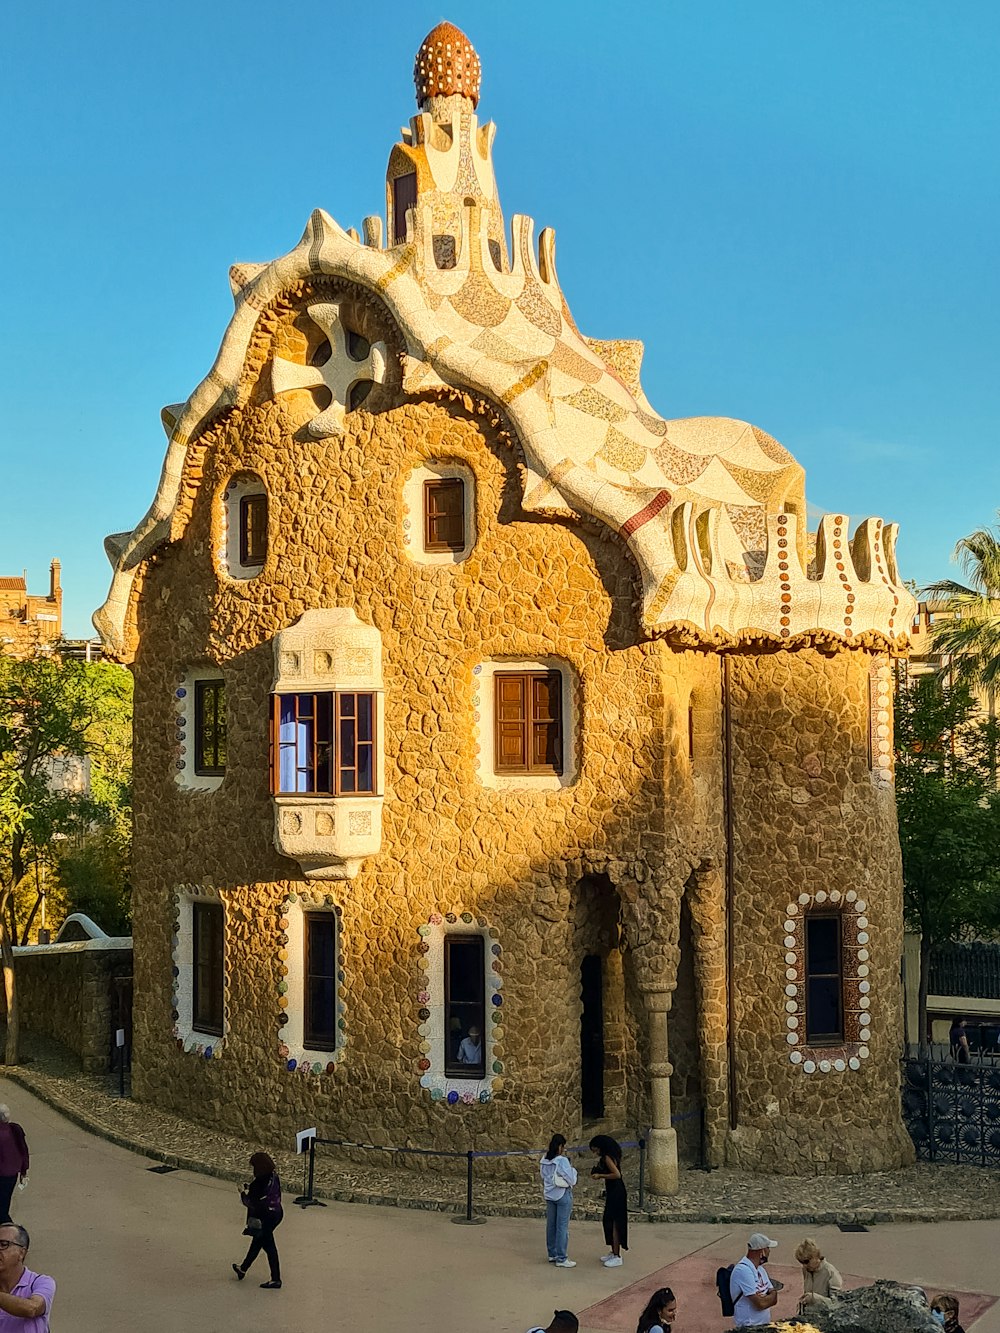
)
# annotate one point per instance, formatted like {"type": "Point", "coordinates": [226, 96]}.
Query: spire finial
{"type": "Point", "coordinates": [446, 65]}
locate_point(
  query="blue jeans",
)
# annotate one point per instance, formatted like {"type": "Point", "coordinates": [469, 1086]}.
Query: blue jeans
{"type": "Point", "coordinates": [557, 1213]}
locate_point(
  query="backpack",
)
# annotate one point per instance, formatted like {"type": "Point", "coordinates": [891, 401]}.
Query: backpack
{"type": "Point", "coordinates": [722, 1279]}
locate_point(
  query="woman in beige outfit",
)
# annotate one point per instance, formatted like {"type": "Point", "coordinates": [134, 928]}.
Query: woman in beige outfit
{"type": "Point", "coordinates": [819, 1278]}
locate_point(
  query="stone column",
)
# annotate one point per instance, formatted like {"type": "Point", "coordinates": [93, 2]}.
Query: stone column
{"type": "Point", "coordinates": [662, 1143]}
{"type": "Point", "coordinates": [707, 901]}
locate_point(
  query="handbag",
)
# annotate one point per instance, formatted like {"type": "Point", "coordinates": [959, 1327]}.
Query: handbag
{"type": "Point", "coordinates": [254, 1226]}
{"type": "Point", "coordinates": [559, 1181]}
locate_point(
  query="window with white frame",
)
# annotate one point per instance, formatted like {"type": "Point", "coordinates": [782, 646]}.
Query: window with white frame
{"type": "Point", "coordinates": [201, 729]}
{"type": "Point", "coordinates": [200, 970]}
{"type": "Point", "coordinates": [245, 526]}
{"type": "Point", "coordinates": [439, 522]}
{"type": "Point", "coordinates": [312, 1032]}
{"type": "Point", "coordinates": [527, 724]}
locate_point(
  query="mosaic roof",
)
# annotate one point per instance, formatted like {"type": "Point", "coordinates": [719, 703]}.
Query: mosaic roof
{"type": "Point", "coordinates": [447, 64]}
{"type": "Point", "coordinates": [712, 509]}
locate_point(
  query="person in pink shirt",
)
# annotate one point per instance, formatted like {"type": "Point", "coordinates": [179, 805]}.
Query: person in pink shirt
{"type": "Point", "coordinates": [13, 1159]}
{"type": "Point", "coordinates": [25, 1297]}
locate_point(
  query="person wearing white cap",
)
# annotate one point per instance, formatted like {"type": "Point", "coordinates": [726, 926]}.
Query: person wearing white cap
{"type": "Point", "coordinates": [752, 1291]}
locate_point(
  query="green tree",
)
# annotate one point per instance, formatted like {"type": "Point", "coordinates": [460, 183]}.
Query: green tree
{"type": "Point", "coordinates": [949, 819]}
{"type": "Point", "coordinates": [970, 635]}
{"type": "Point", "coordinates": [53, 713]}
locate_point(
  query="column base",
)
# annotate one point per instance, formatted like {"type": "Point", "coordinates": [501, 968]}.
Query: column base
{"type": "Point", "coordinates": [661, 1147]}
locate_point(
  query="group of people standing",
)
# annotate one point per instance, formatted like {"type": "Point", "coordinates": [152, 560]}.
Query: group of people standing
{"type": "Point", "coordinates": [559, 1176]}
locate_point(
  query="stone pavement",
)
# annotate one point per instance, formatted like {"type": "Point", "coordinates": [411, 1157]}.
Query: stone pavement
{"type": "Point", "coordinates": [132, 1250]}
{"type": "Point", "coordinates": [920, 1193]}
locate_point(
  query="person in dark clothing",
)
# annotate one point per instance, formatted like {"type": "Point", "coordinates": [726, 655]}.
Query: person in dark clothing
{"type": "Point", "coordinates": [958, 1040]}
{"type": "Point", "coordinates": [608, 1168]}
{"type": "Point", "coordinates": [262, 1200]}
{"type": "Point", "coordinates": [945, 1309]}
{"type": "Point", "coordinates": [13, 1159]}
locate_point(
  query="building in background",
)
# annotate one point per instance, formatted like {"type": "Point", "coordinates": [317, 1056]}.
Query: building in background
{"type": "Point", "coordinates": [30, 622]}
{"type": "Point", "coordinates": [507, 755]}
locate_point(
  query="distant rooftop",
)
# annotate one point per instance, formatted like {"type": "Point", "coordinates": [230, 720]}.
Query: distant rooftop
{"type": "Point", "coordinates": [12, 583]}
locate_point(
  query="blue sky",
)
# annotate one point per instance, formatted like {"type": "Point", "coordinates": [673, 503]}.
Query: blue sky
{"type": "Point", "coordinates": [793, 204]}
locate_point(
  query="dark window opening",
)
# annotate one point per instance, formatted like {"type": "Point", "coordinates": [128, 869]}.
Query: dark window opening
{"type": "Point", "coordinates": [358, 392]}
{"type": "Point", "coordinates": [690, 731]}
{"type": "Point", "coordinates": [209, 728]}
{"type": "Point", "coordinates": [445, 251]}
{"type": "Point", "coordinates": [358, 347]}
{"type": "Point", "coordinates": [253, 529]}
{"type": "Point", "coordinates": [323, 743]}
{"type": "Point", "coordinates": [528, 732]}
{"type": "Point", "coordinates": [592, 1037]}
{"type": "Point", "coordinates": [207, 988]}
{"type": "Point", "coordinates": [465, 1006]}
{"type": "Point", "coordinates": [824, 979]}
{"type": "Point", "coordinates": [321, 353]}
{"type": "Point", "coordinates": [320, 1029]}
{"type": "Point", "coordinates": [444, 514]}
{"type": "Point", "coordinates": [404, 196]}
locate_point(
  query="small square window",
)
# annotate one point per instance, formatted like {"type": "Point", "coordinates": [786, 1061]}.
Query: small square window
{"type": "Point", "coordinates": [208, 971]}
{"type": "Point", "coordinates": [528, 733]}
{"type": "Point", "coordinates": [465, 1006]}
{"type": "Point", "coordinates": [209, 728]}
{"type": "Point", "coordinates": [253, 530]}
{"type": "Point", "coordinates": [444, 514]}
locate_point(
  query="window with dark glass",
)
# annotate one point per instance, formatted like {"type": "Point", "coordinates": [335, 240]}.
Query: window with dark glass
{"type": "Point", "coordinates": [824, 979]}
{"type": "Point", "coordinates": [253, 529]}
{"type": "Point", "coordinates": [321, 981]}
{"type": "Point", "coordinates": [444, 514]}
{"type": "Point", "coordinates": [404, 196]}
{"type": "Point", "coordinates": [465, 1006]}
{"type": "Point", "coordinates": [209, 728]}
{"type": "Point", "coordinates": [323, 743]}
{"type": "Point", "coordinates": [206, 1000]}
{"type": "Point", "coordinates": [528, 722]}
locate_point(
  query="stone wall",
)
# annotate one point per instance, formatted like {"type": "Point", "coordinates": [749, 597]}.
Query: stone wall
{"type": "Point", "coordinates": [66, 992]}
{"type": "Point", "coordinates": [644, 818]}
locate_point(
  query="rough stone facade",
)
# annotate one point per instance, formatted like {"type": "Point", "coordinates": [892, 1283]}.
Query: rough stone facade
{"type": "Point", "coordinates": [715, 796]}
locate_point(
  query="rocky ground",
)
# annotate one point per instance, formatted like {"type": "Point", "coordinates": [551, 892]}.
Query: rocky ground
{"type": "Point", "coordinates": [920, 1193]}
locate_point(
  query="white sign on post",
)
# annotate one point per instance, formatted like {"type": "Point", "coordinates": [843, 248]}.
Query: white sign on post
{"type": "Point", "coordinates": [120, 1037]}
{"type": "Point", "coordinates": [302, 1139]}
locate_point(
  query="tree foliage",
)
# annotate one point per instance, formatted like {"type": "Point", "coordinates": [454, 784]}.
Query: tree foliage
{"type": "Point", "coordinates": [65, 791]}
{"type": "Point", "coordinates": [949, 817]}
{"type": "Point", "coordinates": [969, 637]}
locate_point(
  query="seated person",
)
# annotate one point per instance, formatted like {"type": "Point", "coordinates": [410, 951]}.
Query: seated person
{"type": "Point", "coordinates": [470, 1050]}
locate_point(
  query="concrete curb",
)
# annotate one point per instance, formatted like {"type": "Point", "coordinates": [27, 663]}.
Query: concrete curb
{"type": "Point", "coordinates": [727, 1217]}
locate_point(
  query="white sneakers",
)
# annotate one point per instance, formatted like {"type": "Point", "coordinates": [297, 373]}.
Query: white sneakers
{"type": "Point", "coordinates": [612, 1260]}
{"type": "Point", "coordinates": [565, 1263]}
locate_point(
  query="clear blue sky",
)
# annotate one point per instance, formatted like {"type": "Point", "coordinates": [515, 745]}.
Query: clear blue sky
{"type": "Point", "coordinates": [794, 204]}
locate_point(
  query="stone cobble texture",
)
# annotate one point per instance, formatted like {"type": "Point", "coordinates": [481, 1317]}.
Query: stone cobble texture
{"type": "Point", "coordinates": [923, 1192]}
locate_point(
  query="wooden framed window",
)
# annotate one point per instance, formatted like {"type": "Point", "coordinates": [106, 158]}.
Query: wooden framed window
{"type": "Point", "coordinates": [444, 514]}
{"type": "Point", "coordinates": [404, 196]}
{"type": "Point", "coordinates": [209, 728]}
{"type": "Point", "coordinates": [320, 999]}
{"type": "Point", "coordinates": [527, 722]}
{"type": "Point", "coordinates": [253, 529]}
{"type": "Point", "coordinates": [323, 743]}
{"type": "Point", "coordinates": [207, 924]}
{"type": "Point", "coordinates": [465, 1006]}
{"type": "Point", "coordinates": [824, 979]}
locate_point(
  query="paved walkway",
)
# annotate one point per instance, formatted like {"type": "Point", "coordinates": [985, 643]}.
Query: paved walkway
{"type": "Point", "coordinates": [133, 1250]}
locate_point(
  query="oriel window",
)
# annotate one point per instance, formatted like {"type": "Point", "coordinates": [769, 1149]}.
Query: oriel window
{"type": "Point", "coordinates": [323, 743]}
{"type": "Point", "coordinates": [444, 514]}
{"type": "Point", "coordinates": [465, 1006]}
{"type": "Point", "coordinates": [824, 979]}
{"type": "Point", "coordinates": [320, 999]}
{"type": "Point", "coordinates": [208, 967]}
{"type": "Point", "coordinates": [528, 725]}
{"type": "Point", "coordinates": [209, 728]}
{"type": "Point", "coordinates": [253, 530]}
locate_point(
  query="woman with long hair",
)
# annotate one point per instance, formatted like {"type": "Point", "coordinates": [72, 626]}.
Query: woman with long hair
{"type": "Point", "coordinates": [262, 1200]}
{"type": "Point", "coordinates": [608, 1168]}
{"type": "Point", "coordinates": [13, 1160]}
{"type": "Point", "coordinates": [659, 1314]}
{"type": "Point", "coordinates": [558, 1179]}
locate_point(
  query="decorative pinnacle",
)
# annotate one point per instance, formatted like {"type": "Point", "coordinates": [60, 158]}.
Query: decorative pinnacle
{"type": "Point", "coordinates": [447, 64]}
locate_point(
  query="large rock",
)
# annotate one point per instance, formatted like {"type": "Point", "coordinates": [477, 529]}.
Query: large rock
{"type": "Point", "coordinates": [884, 1307]}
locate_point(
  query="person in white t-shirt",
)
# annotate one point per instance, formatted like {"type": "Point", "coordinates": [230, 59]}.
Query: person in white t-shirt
{"type": "Point", "coordinates": [752, 1292]}
{"type": "Point", "coordinates": [563, 1321]}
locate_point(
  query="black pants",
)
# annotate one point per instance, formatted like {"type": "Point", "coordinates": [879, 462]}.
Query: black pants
{"type": "Point", "coordinates": [7, 1184]}
{"type": "Point", "coordinates": [265, 1242]}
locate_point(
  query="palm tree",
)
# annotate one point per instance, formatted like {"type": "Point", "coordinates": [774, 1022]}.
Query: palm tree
{"type": "Point", "coordinates": [969, 636]}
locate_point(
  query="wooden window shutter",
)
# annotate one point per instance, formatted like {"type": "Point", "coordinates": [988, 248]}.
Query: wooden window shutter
{"type": "Point", "coordinates": [546, 721]}
{"type": "Point", "coordinates": [444, 514]}
{"type": "Point", "coordinates": [510, 722]}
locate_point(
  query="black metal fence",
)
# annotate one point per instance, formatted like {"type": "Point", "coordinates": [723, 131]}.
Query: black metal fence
{"type": "Point", "coordinates": [952, 1111]}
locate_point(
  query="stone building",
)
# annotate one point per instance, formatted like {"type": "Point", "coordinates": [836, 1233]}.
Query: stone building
{"type": "Point", "coordinates": [29, 622]}
{"type": "Point", "coordinates": [508, 757]}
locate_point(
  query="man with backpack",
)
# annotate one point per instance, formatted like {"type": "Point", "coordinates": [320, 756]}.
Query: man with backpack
{"type": "Point", "coordinates": [752, 1294]}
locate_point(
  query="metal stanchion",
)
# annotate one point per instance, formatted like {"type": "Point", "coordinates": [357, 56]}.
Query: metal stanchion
{"type": "Point", "coordinates": [469, 1219]}
{"type": "Point", "coordinates": [306, 1199]}
{"type": "Point", "coordinates": [642, 1173]}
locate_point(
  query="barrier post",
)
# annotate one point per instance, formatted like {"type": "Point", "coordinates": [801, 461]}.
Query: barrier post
{"type": "Point", "coordinates": [642, 1173]}
{"type": "Point", "coordinates": [469, 1219]}
{"type": "Point", "coordinates": [306, 1199]}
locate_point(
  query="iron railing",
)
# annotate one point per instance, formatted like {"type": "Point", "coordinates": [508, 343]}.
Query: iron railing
{"type": "Point", "coordinates": [952, 1111]}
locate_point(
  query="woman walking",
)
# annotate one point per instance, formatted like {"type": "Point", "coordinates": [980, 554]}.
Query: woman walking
{"type": "Point", "coordinates": [262, 1200]}
{"type": "Point", "coordinates": [558, 1179]}
{"type": "Point", "coordinates": [13, 1159]}
{"type": "Point", "coordinates": [659, 1314]}
{"type": "Point", "coordinates": [608, 1168]}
